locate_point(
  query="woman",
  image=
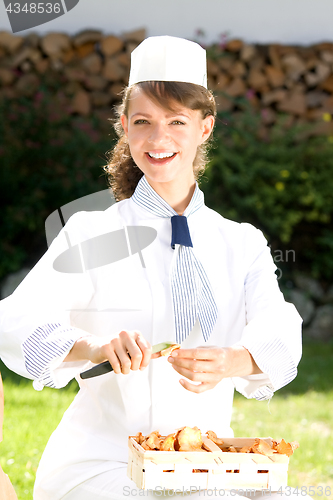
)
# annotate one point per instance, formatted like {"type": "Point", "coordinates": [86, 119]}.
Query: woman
{"type": "Point", "coordinates": [205, 282]}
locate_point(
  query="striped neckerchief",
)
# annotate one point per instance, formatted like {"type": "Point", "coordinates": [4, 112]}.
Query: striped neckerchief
{"type": "Point", "coordinates": [191, 290]}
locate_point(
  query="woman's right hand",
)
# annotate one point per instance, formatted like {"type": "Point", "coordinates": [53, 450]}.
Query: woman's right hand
{"type": "Point", "coordinates": [129, 350]}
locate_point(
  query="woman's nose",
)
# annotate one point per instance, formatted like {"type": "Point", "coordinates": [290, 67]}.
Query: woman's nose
{"type": "Point", "coordinates": [159, 134]}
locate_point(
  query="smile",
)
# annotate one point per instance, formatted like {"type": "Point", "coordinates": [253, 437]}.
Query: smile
{"type": "Point", "coordinates": [160, 156]}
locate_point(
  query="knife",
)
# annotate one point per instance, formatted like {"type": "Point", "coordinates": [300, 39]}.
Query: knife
{"type": "Point", "coordinates": [106, 367]}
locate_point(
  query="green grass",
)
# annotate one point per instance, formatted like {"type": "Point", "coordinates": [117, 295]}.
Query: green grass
{"type": "Point", "coordinates": [30, 418]}
{"type": "Point", "coordinates": [302, 411]}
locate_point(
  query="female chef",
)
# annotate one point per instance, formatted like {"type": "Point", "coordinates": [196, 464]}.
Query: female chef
{"type": "Point", "coordinates": [200, 280]}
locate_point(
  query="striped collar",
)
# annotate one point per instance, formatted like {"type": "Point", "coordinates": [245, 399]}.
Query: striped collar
{"type": "Point", "coordinates": [145, 196]}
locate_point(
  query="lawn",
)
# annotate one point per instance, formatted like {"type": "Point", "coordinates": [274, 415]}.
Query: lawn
{"type": "Point", "coordinates": [303, 411]}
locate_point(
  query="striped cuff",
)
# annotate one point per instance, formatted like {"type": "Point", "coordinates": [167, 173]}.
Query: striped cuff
{"type": "Point", "coordinates": [263, 393]}
{"type": "Point", "coordinates": [45, 349]}
{"type": "Point", "coordinates": [273, 359]}
{"type": "Point", "coordinates": [254, 386]}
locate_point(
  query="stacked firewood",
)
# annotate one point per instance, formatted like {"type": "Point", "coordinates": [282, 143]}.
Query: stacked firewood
{"type": "Point", "coordinates": [93, 68]}
{"type": "Point", "coordinates": [294, 80]}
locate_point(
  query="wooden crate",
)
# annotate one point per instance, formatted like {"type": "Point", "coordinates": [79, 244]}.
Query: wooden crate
{"type": "Point", "coordinates": [177, 470]}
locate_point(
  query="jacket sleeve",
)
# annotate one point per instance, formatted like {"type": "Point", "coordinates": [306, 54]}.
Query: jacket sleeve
{"type": "Point", "coordinates": [273, 327]}
{"type": "Point", "coordinates": [36, 321]}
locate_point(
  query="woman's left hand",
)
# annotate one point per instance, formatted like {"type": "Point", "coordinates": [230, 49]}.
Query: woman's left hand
{"type": "Point", "coordinates": [207, 366]}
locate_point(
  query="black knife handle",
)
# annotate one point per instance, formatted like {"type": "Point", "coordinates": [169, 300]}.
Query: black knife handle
{"type": "Point", "coordinates": [97, 370]}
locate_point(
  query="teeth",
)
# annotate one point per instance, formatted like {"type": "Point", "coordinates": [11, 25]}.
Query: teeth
{"type": "Point", "coordinates": [159, 156]}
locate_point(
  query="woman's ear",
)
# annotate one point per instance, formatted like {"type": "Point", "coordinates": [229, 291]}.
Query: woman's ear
{"type": "Point", "coordinates": [124, 123]}
{"type": "Point", "coordinates": [207, 127]}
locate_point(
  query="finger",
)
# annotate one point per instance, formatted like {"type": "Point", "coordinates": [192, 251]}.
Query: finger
{"type": "Point", "coordinates": [112, 356]}
{"type": "Point", "coordinates": [141, 340]}
{"type": "Point", "coordinates": [194, 376]}
{"type": "Point", "coordinates": [156, 355]}
{"type": "Point", "coordinates": [146, 351]}
{"type": "Point", "coordinates": [114, 362]}
{"type": "Point", "coordinates": [119, 346]}
{"type": "Point", "coordinates": [138, 348]}
{"type": "Point", "coordinates": [134, 352]}
{"type": "Point", "coordinates": [196, 388]}
{"type": "Point", "coordinates": [125, 361]}
{"type": "Point", "coordinates": [192, 364]}
{"type": "Point", "coordinates": [197, 353]}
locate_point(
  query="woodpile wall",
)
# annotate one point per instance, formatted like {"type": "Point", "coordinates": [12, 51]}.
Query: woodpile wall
{"type": "Point", "coordinates": [90, 70]}
{"type": "Point", "coordinates": [93, 68]}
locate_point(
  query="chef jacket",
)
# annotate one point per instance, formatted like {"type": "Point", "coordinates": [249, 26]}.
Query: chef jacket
{"type": "Point", "coordinates": [50, 310]}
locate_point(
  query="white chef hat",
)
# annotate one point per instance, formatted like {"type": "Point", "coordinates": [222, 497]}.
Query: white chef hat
{"type": "Point", "coordinates": [167, 58]}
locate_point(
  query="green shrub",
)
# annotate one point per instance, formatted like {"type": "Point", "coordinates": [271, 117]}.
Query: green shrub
{"type": "Point", "coordinates": [281, 184]}
{"type": "Point", "coordinates": [48, 158]}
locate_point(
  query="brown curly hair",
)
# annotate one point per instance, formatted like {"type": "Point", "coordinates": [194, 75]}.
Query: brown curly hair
{"type": "Point", "coordinates": [123, 175]}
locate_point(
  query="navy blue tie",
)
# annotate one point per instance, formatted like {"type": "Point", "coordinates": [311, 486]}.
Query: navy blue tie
{"type": "Point", "coordinates": [180, 231]}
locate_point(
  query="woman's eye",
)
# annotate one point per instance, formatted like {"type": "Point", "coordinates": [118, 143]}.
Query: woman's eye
{"type": "Point", "coordinates": [138, 122]}
{"type": "Point", "coordinates": [178, 122]}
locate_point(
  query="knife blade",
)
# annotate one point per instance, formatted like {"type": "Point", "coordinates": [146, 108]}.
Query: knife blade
{"type": "Point", "coordinates": [106, 367]}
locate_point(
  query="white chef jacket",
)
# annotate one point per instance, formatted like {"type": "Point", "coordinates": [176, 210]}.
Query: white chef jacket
{"type": "Point", "coordinates": [50, 310]}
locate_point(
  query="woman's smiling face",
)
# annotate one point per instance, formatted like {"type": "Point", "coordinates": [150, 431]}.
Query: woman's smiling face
{"type": "Point", "coordinates": [164, 143]}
